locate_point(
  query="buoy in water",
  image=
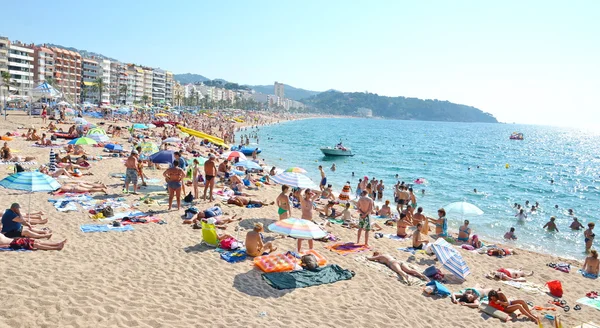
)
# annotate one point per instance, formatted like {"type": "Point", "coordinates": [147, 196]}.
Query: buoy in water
{"type": "Point", "coordinates": [507, 165]}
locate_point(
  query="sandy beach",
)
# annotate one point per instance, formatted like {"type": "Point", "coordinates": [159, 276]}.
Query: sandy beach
{"type": "Point", "coordinates": [161, 276]}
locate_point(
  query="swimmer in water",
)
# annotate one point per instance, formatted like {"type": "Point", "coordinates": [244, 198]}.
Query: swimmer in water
{"type": "Point", "coordinates": [475, 190]}
{"type": "Point", "coordinates": [333, 167]}
{"type": "Point", "coordinates": [571, 212]}
{"type": "Point", "coordinates": [352, 173]}
{"type": "Point", "coordinates": [533, 209]}
{"type": "Point", "coordinates": [556, 206]}
{"type": "Point", "coordinates": [422, 191]}
{"type": "Point", "coordinates": [551, 225]}
{"type": "Point", "coordinates": [576, 225]}
{"type": "Point", "coordinates": [551, 181]}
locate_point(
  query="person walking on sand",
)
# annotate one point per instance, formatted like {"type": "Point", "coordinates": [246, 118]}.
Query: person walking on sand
{"type": "Point", "coordinates": [323, 178]}
{"type": "Point", "coordinates": [365, 207]}
{"type": "Point", "coordinates": [210, 171]}
{"type": "Point", "coordinates": [551, 225]}
{"type": "Point", "coordinates": [307, 208]}
{"type": "Point", "coordinates": [283, 203]}
{"type": "Point", "coordinates": [131, 173]}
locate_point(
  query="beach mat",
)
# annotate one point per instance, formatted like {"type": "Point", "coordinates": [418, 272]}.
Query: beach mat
{"type": "Point", "coordinates": [2, 249]}
{"type": "Point", "coordinates": [528, 287]}
{"type": "Point", "coordinates": [104, 228]}
{"type": "Point", "coordinates": [591, 302]}
{"type": "Point", "coordinates": [48, 146]}
{"type": "Point", "coordinates": [20, 163]}
{"type": "Point", "coordinates": [347, 248]}
{"type": "Point", "coordinates": [305, 278]}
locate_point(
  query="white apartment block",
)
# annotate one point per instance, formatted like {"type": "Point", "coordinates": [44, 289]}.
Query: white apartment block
{"type": "Point", "coordinates": [105, 71]}
{"type": "Point", "coordinates": [169, 87]}
{"type": "Point", "coordinates": [20, 68]}
{"type": "Point", "coordinates": [4, 45]}
{"type": "Point", "coordinates": [158, 85]}
{"type": "Point", "coordinates": [148, 80]}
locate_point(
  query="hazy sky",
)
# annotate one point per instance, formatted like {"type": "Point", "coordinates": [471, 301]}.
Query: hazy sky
{"type": "Point", "coordinates": [523, 61]}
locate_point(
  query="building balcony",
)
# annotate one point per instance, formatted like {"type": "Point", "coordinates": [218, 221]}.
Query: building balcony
{"type": "Point", "coordinates": [27, 58]}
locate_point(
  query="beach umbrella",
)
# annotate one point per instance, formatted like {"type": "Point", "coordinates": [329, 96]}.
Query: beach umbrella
{"type": "Point", "coordinates": [79, 120]}
{"type": "Point", "coordinates": [69, 111]}
{"type": "Point", "coordinates": [234, 154]}
{"type": "Point", "coordinates": [172, 140]}
{"type": "Point", "coordinates": [140, 126]}
{"type": "Point", "coordinates": [163, 157]}
{"type": "Point", "coordinates": [96, 131]}
{"type": "Point", "coordinates": [63, 103]}
{"type": "Point", "coordinates": [30, 181]}
{"type": "Point", "coordinates": [295, 180]}
{"type": "Point", "coordinates": [114, 147]}
{"type": "Point", "coordinates": [161, 114]}
{"type": "Point", "coordinates": [98, 137]}
{"type": "Point", "coordinates": [450, 258]}
{"type": "Point", "coordinates": [463, 208]}
{"type": "Point", "coordinates": [296, 169]}
{"type": "Point", "coordinates": [148, 147]}
{"type": "Point", "coordinates": [82, 141]}
{"type": "Point", "coordinates": [297, 228]}
{"type": "Point", "coordinates": [249, 165]}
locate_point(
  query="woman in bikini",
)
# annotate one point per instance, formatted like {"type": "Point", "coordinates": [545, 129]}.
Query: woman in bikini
{"type": "Point", "coordinates": [589, 236]}
{"type": "Point", "coordinates": [441, 224]}
{"type": "Point", "coordinates": [464, 232]}
{"type": "Point", "coordinates": [174, 177]}
{"type": "Point", "coordinates": [470, 297]}
{"type": "Point", "coordinates": [283, 203]}
{"type": "Point", "coordinates": [509, 275]}
{"type": "Point", "coordinates": [499, 301]}
{"type": "Point", "coordinates": [403, 223]}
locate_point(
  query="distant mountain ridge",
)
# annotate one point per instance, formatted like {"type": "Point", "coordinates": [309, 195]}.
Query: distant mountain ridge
{"type": "Point", "coordinates": [83, 53]}
{"type": "Point", "coordinates": [348, 103]}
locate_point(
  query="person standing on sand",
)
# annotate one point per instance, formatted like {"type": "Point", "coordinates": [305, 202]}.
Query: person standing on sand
{"type": "Point", "coordinates": [174, 177]}
{"type": "Point", "coordinates": [380, 189]}
{"type": "Point", "coordinates": [365, 207]}
{"type": "Point", "coordinates": [283, 203]}
{"type": "Point", "coordinates": [551, 225]}
{"type": "Point", "coordinates": [589, 236]}
{"type": "Point", "coordinates": [131, 173]}
{"type": "Point", "coordinates": [210, 171]}
{"type": "Point", "coordinates": [307, 208]}
{"type": "Point", "coordinates": [323, 178]}
{"type": "Point", "coordinates": [195, 177]}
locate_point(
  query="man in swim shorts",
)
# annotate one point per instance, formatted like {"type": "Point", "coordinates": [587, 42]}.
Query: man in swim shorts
{"type": "Point", "coordinates": [210, 171]}
{"type": "Point", "coordinates": [323, 178]}
{"type": "Point", "coordinates": [131, 173]}
{"type": "Point", "coordinates": [14, 225]}
{"type": "Point", "coordinates": [403, 269]}
{"type": "Point", "coordinates": [365, 207]}
{"type": "Point", "coordinates": [30, 244]}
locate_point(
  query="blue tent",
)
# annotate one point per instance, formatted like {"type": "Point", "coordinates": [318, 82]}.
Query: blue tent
{"type": "Point", "coordinates": [46, 90]}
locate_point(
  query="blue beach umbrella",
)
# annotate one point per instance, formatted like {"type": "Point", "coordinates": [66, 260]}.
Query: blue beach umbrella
{"type": "Point", "coordinates": [30, 181]}
{"type": "Point", "coordinates": [140, 126]}
{"type": "Point", "coordinates": [163, 157]}
{"type": "Point", "coordinates": [114, 147]}
{"type": "Point", "coordinates": [249, 165]}
{"type": "Point", "coordinates": [295, 180]}
{"type": "Point", "coordinates": [450, 258]}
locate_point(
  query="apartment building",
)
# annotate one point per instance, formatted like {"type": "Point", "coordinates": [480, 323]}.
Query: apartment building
{"type": "Point", "coordinates": [4, 45]}
{"type": "Point", "coordinates": [178, 94]}
{"type": "Point", "coordinates": [158, 86]}
{"type": "Point", "coordinates": [118, 83]}
{"type": "Point", "coordinates": [43, 64]}
{"type": "Point", "coordinates": [68, 72]}
{"type": "Point", "coordinates": [20, 68]}
{"type": "Point", "coordinates": [148, 79]}
{"type": "Point", "coordinates": [169, 85]}
{"type": "Point", "coordinates": [104, 73]}
{"type": "Point", "coordinates": [279, 90]}
{"type": "Point", "coordinates": [90, 73]}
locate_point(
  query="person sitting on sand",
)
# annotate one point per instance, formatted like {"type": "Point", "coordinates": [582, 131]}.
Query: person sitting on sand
{"type": "Point", "coordinates": [329, 211]}
{"type": "Point", "coordinates": [576, 225]}
{"type": "Point", "coordinates": [349, 221]}
{"type": "Point", "coordinates": [402, 224]}
{"type": "Point", "coordinates": [385, 211]}
{"type": "Point", "coordinates": [273, 171]}
{"type": "Point", "coordinates": [328, 194]}
{"type": "Point", "coordinates": [418, 242]}
{"type": "Point", "coordinates": [510, 235]}
{"type": "Point", "coordinates": [58, 172]}
{"type": "Point", "coordinates": [44, 141]}
{"type": "Point", "coordinates": [15, 226]}
{"type": "Point", "coordinates": [470, 297]}
{"type": "Point", "coordinates": [5, 152]}
{"type": "Point", "coordinates": [52, 127]}
{"type": "Point", "coordinates": [254, 242]}
{"type": "Point", "coordinates": [30, 244]}
{"type": "Point", "coordinates": [28, 134]}
{"type": "Point", "coordinates": [34, 136]}
{"type": "Point", "coordinates": [500, 302]}
{"type": "Point", "coordinates": [551, 225]}
{"type": "Point", "coordinates": [33, 217]}
{"type": "Point", "coordinates": [591, 266]}
{"type": "Point", "coordinates": [475, 242]}
{"type": "Point", "coordinates": [243, 201]}
{"type": "Point", "coordinates": [403, 269]}
{"type": "Point", "coordinates": [441, 224]}
{"type": "Point", "coordinates": [464, 232]}
{"type": "Point", "coordinates": [82, 187]}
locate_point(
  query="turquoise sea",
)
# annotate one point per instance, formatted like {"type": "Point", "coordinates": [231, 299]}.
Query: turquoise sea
{"type": "Point", "coordinates": [442, 153]}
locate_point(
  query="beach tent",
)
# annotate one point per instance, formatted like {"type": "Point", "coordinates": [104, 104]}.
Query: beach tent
{"type": "Point", "coordinates": [46, 90]}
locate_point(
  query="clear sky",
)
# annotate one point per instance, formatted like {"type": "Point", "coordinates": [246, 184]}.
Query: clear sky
{"type": "Point", "coordinates": [523, 61]}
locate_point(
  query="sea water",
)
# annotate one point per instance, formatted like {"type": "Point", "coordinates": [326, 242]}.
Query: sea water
{"type": "Point", "coordinates": [455, 159]}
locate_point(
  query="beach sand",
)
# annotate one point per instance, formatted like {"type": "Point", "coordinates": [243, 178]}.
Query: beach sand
{"type": "Point", "coordinates": [160, 275]}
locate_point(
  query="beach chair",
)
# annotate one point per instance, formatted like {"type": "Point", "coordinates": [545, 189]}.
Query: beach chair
{"type": "Point", "coordinates": [209, 235]}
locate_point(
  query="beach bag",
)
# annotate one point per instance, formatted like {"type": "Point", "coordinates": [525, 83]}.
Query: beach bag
{"type": "Point", "coordinates": [309, 261]}
{"type": "Point", "coordinates": [438, 289]}
{"type": "Point", "coordinates": [108, 212]}
{"type": "Point", "coordinates": [19, 168]}
{"type": "Point", "coordinates": [555, 288]}
{"type": "Point", "coordinates": [189, 198]}
{"type": "Point", "coordinates": [431, 271]}
{"type": "Point", "coordinates": [228, 243]}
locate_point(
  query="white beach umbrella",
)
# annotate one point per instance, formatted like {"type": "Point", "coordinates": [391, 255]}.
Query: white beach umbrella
{"type": "Point", "coordinates": [295, 180]}
{"type": "Point", "coordinates": [463, 208]}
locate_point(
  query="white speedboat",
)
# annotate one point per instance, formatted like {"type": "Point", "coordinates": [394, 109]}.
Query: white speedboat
{"type": "Point", "coordinates": [336, 151]}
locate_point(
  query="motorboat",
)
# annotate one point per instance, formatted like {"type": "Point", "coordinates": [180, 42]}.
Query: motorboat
{"type": "Point", "coordinates": [516, 136]}
{"type": "Point", "coordinates": [338, 150]}
{"type": "Point", "coordinates": [246, 150]}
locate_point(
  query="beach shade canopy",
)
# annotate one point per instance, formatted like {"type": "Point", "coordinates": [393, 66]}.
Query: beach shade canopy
{"type": "Point", "coordinates": [113, 147]}
{"type": "Point", "coordinates": [234, 154]}
{"type": "Point", "coordinates": [30, 181]}
{"type": "Point", "coordinates": [450, 258]}
{"type": "Point", "coordinates": [82, 141]}
{"type": "Point", "coordinates": [63, 103]}
{"type": "Point", "coordinates": [294, 180]}
{"type": "Point", "coordinates": [297, 228]}
{"type": "Point", "coordinates": [172, 140]}
{"type": "Point", "coordinates": [296, 169]}
{"type": "Point", "coordinates": [163, 157]}
{"type": "Point", "coordinates": [140, 126]}
{"type": "Point", "coordinates": [463, 208]}
{"type": "Point", "coordinates": [249, 165]}
{"type": "Point", "coordinates": [46, 90]}
{"type": "Point", "coordinates": [151, 126]}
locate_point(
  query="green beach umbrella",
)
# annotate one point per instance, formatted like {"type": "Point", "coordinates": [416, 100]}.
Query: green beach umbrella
{"type": "Point", "coordinates": [83, 141]}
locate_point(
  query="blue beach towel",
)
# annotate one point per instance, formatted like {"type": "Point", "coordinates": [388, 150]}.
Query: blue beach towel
{"type": "Point", "coordinates": [588, 275]}
{"type": "Point", "coordinates": [104, 228]}
{"type": "Point", "coordinates": [439, 289]}
{"type": "Point", "coordinates": [408, 250]}
{"type": "Point", "coordinates": [2, 249]}
{"type": "Point", "coordinates": [234, 256]}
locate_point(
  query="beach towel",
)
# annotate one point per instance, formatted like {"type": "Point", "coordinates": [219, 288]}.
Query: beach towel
{"type": "Point", "coordinates": [439, 289]}
{"type": "Point", "coordinates": [300, 279]}
{"type": "Point", "coordinates": [485, 308]}
{"type": "Point", "coordinates": [234, 256]}
{"type": "Point", "coordinates": [47, 146]}
{"type": "Point", "coordinates": [587, 275]}
{"type": "Point", "coordinates": [147, 220]}
{"type": "Point", "coordinates": [587, 325]}
{"type": "Point", "coordinates": [408, 250]}
{"type": "Point", "coordinates": [2, 249]}
{"type": "Point", "coordinates": [336, 221]}
{"type": "Point", "coordinates": [21, 163]}
{"type": "Point", "coordinates": [528, 287]}
{"type": "Point", "coordinates": [393, 236]}
{"type": "Point", "coordinates": [592, 302]}
{"type": "Point", "coordinates": [347, 248]}
{"type": "Point", "coordinates": [104, 228]}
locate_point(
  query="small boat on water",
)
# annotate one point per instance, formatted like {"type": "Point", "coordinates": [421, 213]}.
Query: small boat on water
{"type": "Point", "coordinates": [338, 150]}
{"type": "Point", "coordinates": [516, 136]}
{"type": "Point", "coordinates": [247, 150]}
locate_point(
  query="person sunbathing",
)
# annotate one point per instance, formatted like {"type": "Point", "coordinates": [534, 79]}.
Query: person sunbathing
{"type": "Point", "coordinates": [402, 224]}
{"type": "Point", "coordinates": [58, 172]}
{"type": "Point", "coordinates": [499, 301]}
{"type": "Point", "coordinates": [34, 136]}
{"type": "Point", "coordinates": [591, 266]}
{"type": "Point", "coordinates": [82, 187]}
{"type": "Point", "coordinates": [418, 242]}
{"type": "Point", "coordinates": [30, 244]}
{"type": "Point", "coordinates": [52, 127]}
{"type": "Point", "coordinates": [243, 201]}
{"type": "Point", "coordinates": [254, 242]}
{"type": "Point", "coordinates": [400, 267]}
{"type": "Point", "coordinates": [385, 211]}
{"type": "Point", "coordinates": [5, 152]}
{"type": "Point", "coordinates": [15, 226]}
{"type": "Point", "coordinates": [500, 251]}
{"type": "Point", "coordinates": [328, 211]}
{"type": "Point", "coordinates": [470, 297]}
{"type": "Point", "coordinates": [509, 275]}
{"type": "Point", "coordinates": [34, 217]}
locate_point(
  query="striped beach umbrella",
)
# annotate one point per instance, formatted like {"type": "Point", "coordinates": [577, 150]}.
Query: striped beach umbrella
{"type": "Point", "coordinates": [234, 154]}
{"type": "Point", "coordinates": [294, 180]}
{"type": "Point", "coordinates": [296, 169]}
{"type": "Point", "coordinates": [99, 137]}
{"type": "Point", "coordinates": [82, 141]}
{"type": "Point", "coordinates": [30, 181]}
{"type": "Point", "coordinates": [450, 258]}
{"type": "Point", "coordinates": [96, 131]}
{"type": "Point", "coordinates": [297, 228]}
{"type": "Point", "coordinates": [148, 148]}
{"type": "Point", "coordinates": [52, 164]}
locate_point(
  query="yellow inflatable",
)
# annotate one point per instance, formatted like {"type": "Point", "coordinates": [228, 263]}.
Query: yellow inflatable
{"type": "Point", "coordinates": [215, 140]}
{"type": "Point", "coordinates": [507, 165]}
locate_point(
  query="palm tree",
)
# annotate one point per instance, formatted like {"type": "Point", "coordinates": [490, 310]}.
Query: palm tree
{"type": "Point", "coordinates": [122, 91]}
{"type": "Point", "coordinates": [100, 86]}
{"type": "Point", "coordinates": [179, 97]}
{"type": "Point", "coordinates": [6, 83]}
{"type": "Point", "coordinates": [145, 99]}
